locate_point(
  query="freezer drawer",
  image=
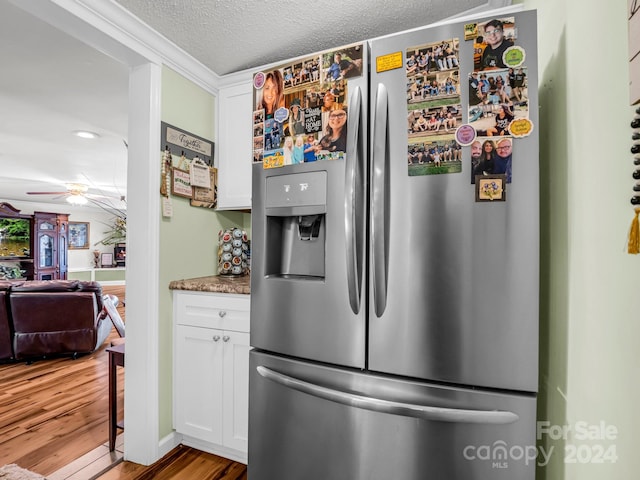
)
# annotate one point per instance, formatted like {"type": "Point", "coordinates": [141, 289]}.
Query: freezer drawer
{"type": "Point", "coordinates": [322, 423]}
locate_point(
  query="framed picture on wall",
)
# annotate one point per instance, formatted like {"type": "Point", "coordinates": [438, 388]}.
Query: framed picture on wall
{"type": "Point", "coordinates": [78, 235]}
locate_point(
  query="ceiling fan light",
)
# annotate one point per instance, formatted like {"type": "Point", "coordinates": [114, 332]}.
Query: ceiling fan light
{"type": "Point", "coordinates": [77, 200]}
{"type": "Point", "coordinates": [77, 188]}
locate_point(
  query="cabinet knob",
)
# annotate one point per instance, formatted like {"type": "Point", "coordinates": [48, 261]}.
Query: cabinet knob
{"type": "Point", "coordinates": [222, 313]}
{"type": "Point", "coordinates": [226, 338]}
{"type": "Point", "coordinates": [216, 338]}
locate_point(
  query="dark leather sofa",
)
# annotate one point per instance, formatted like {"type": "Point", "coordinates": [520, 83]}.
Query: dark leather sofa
{"type": "Point", "coordinates": [54, 317]}
{"type": "Point", "coordinates": [5, 332]}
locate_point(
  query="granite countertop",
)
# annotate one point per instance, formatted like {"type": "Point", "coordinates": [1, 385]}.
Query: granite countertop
{"type": "Point", "coordinates": [215, 284]}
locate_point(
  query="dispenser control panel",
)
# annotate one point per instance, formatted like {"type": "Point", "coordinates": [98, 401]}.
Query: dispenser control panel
{"type": "Point", "coordinates": [296, 189]}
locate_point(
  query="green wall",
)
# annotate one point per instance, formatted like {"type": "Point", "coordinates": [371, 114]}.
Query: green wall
{"type": "Point", "coordinates": [102, 275]}
{"type": "Point", "coordinates": [589, 303]}
{"type": "Point", "coordinates": [85, 276]}
{"type": "Point", "coordinates": [188, 240]}
{"type": "Point", "coordinates": [110, 275]}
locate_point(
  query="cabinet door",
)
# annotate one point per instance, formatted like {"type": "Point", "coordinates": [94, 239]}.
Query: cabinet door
{"type": "Point", "coordinates": [235, 130]}
{"type": "Point", "coordinates": [46, 249]}
{"type": "Point", "coordinates": [198, 376]}
{"type": "Point", "coordinates": [236, 390]}
{"type": "Point", "coordinates": [50, 246]}
{"type": "Point", "coordinates": [46, 261]}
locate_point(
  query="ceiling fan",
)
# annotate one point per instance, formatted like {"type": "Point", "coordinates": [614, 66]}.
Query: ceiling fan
{"type": "Point", "coordinates": [78, 194]}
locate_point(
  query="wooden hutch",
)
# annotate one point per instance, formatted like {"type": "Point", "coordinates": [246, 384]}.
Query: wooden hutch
{"type": "Point", "coordinates": [47, 257]}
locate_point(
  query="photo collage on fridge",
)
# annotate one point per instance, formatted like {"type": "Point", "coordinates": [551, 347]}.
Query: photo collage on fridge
{"type": "Point", "coordinates": [300, 108]}
{"type": "Point", "coordinates": [497, 107]}
{"type": "Point", "coordinates": [434, 108]}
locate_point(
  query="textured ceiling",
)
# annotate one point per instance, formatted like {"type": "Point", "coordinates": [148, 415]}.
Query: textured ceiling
{"type": "Point", "coordinates": [230, 35]}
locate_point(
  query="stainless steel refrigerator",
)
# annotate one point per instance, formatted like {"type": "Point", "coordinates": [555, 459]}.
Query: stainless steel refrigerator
{"type": "Point", "coordinates": [394, 294]}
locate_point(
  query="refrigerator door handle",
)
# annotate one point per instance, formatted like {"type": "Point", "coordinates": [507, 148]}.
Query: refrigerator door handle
{"type": "Point", "coordinates": [425, 412]}
{"type": "Point", "coordinates": [380, 200]}
{"type": "Point", "coordinates": [354, 200]}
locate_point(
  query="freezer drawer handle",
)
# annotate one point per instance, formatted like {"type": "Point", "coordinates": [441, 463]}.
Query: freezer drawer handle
{"type": "Point", "coordinates": [439, 414]}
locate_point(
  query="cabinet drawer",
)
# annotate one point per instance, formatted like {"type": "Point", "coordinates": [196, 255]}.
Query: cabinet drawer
{"type": "Point", "coordinates": [212, 310]}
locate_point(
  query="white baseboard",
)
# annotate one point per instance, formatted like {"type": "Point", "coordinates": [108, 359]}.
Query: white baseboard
{"type": "Point", "coordinates": [230, 453]}
{"type": "Point", "coordinates": [168, 443]}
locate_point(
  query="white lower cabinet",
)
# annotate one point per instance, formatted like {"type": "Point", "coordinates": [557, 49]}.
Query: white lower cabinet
{"type": "Point", "coordinates": [211, 372]}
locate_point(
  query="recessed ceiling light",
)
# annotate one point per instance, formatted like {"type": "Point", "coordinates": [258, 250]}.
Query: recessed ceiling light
{"type": "Point", "coordinates": [85, 134]}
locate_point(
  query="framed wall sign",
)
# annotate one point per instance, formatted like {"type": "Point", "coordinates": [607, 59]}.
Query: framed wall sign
{"type": "Point", "coordinates": [180, 141]}
{"type": "Point", "coordinates": [206, 197]}
{"type": "Point", "coordinates": [78, 235]}
{"type": "Point", "coordinates": [181, 183]}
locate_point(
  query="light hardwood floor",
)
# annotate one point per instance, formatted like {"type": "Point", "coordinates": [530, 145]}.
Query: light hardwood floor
{"type": "Point", "coordinates": [182, 463]}
{"type": "Point", "coordinates": [54, 412]}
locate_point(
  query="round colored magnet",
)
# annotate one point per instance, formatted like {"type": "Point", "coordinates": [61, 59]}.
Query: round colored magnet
{"type": "Point", "coordinates": [258, 80]}
{"type": "Point", "coordinates": [465, 135]}
{"type": "Point", "coordinates": [514, 56]}
{"type": "Point", "coordinates": [521, 127]}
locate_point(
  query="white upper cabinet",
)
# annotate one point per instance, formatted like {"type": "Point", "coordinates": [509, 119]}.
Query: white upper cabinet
{"type": "Point", "coordinates": [234, 158]}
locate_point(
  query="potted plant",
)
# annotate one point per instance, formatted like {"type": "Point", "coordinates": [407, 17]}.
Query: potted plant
{"type": "Point", "coordinates": [117, 236]}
